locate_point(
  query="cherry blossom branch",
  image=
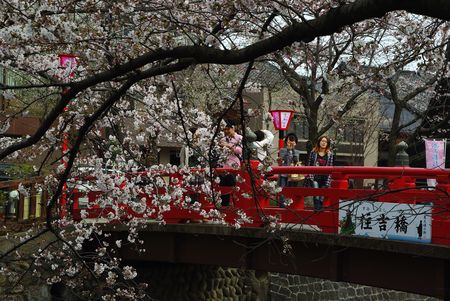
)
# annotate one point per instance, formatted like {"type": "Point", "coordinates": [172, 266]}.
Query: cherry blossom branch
{"type": "Point", "coordinates": [24, 242]}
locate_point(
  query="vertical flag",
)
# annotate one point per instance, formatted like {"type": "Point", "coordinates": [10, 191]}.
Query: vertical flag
{"type": "Point", "coordinates": [68, 64]}
{"type": "Point", "coordinates": [435, 156]}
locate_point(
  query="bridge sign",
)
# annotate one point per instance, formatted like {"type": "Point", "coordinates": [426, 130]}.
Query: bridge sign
{"type": "Point", "coordinates": [386, 220]}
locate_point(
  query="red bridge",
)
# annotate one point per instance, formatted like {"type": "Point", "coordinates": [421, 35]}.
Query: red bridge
{"type": "Point", "coordinates": [378, 219]}
{"type": "Point", "coordinates": [252, 196]}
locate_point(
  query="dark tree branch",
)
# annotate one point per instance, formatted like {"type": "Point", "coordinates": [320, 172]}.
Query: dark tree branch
{"type": "Point", "coordinates": [419, 90]}
{"type": "Point", "coordinates": [349, 104]}
{"type": "Point", "coordinates": [71, 93]}
{"type": "Point", "coordinates": [326, 24]}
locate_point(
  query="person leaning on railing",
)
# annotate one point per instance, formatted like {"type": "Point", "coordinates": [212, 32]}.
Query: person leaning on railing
{"type": "Point", "coordinates": [232, 145]}
{"type": "Point", "coordinates": [321, 155]}
{"type": "Point", "coordinates": [258, 143]}
{"type": "Point", "coordinates": [288, 156]}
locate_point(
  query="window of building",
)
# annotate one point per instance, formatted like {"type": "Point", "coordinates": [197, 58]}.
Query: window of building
{"type": "Point", "coordinates": [174, 157]}
{"type": "Point", "coordinates": [299, 126]}
{"type": "Point", "coordinates": [351, 131]}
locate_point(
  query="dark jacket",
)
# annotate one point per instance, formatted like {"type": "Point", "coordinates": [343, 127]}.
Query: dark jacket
{"type": "Point", "coordinates": [285, 158]}
{"type": "Point", "coordinates": [312, 162]}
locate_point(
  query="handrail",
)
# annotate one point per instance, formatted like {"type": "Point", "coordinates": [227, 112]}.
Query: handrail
{"type": "Point", "coordinates": [15, 183]}
{"type": "Point", "coordinates": [357, 171]}
{"type": "Point", "coordinates": [29, 206]}
{"type": "Point", "coordinates": [352, 170]}
{"type": "Point", "coordinates": [362, 170]}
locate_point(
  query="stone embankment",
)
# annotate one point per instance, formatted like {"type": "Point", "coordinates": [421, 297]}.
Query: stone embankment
{"type": "Point", "coordinates": [201, 282]}
{"type": "Point", "coordinates": [20, 285]}
{"type": "Point", "coordinates": [285, 287]}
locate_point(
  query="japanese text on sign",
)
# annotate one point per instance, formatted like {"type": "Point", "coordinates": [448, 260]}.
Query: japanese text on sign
{"type": "Point", "coordinates": [386, 220]}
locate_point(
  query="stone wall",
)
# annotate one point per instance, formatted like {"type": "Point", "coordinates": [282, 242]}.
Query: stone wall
{"type": "Point", "coordinates": [169, 282]}
{"type": "Point", "coordinates": [201, 282]}
{"type": "Point", "coordinates": [29, 289]}
{"type": "Point", "coordinates": [285, 287]}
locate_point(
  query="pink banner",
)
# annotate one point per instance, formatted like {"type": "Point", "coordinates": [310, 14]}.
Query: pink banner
{"type": "Point", "coordinates": [435, 156]}
{"type": "Point", "coordinates": [276, 119]}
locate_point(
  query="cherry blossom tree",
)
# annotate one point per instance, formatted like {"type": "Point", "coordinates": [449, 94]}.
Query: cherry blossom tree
{"type": "Point", "coordinates": [333, 74]}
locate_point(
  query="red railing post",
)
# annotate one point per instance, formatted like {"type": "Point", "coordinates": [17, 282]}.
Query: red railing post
{"type": "Point", "coordinates": [402, 182]}
{"type": "Point", "coordinates": [441, 212]}
{"type": "Point", "coordinates": [443, 183]}
{"type": "Point", "coordinates": [258, 180]}
{"type": "Point", "coordinates": [251, 178]}
{"type": "Point", "coordinates": [339, 180]}
{"type": "Point", "coordinates": [298, 203]}
{"type": "Point", "coordinates": [75, 197]}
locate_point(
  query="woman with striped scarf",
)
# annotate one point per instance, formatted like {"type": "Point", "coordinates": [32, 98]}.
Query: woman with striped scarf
{"type": "Point", "coordinates": [320, 155]}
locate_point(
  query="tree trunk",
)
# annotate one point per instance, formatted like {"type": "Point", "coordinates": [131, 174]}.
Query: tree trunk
{"type": "Point", "coordinates": [151, 152]}
{"type": "Point", "coordinates": [392, 139]}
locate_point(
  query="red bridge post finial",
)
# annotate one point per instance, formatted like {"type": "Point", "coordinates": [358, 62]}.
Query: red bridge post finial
{"type": "Point", "coordinates": [252, 186]}
{"type": "Point", "coordinates": [443, 183]}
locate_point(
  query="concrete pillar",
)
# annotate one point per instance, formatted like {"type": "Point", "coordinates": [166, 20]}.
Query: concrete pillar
{"type": "Point", "coordinates": [402, 157]}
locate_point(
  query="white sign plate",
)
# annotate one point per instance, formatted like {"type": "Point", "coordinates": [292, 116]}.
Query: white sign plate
{"type": "Point", "coordinates": [285, 116]}
{"type": "Point", "coordinates": [386, 220]}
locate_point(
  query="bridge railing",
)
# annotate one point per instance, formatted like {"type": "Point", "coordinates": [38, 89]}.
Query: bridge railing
{"type": "Point", "coordinates": [23, 200]}
{"type": "Point", "coordinates": [400, 188]}
{"type": "Point", "coordinates": [253, 194]}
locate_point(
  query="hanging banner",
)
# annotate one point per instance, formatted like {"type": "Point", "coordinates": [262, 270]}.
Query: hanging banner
{"type": "Point", "coordinates": [391, 221]}
{"type": "Point", "coordinates": [435, 156]}
{"type": "Point", "coordinates": [282, 119]}
{"type": "Point", "coordinates": [285, 119]}
{"type": "Point", "coordinates": [276, 119]}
